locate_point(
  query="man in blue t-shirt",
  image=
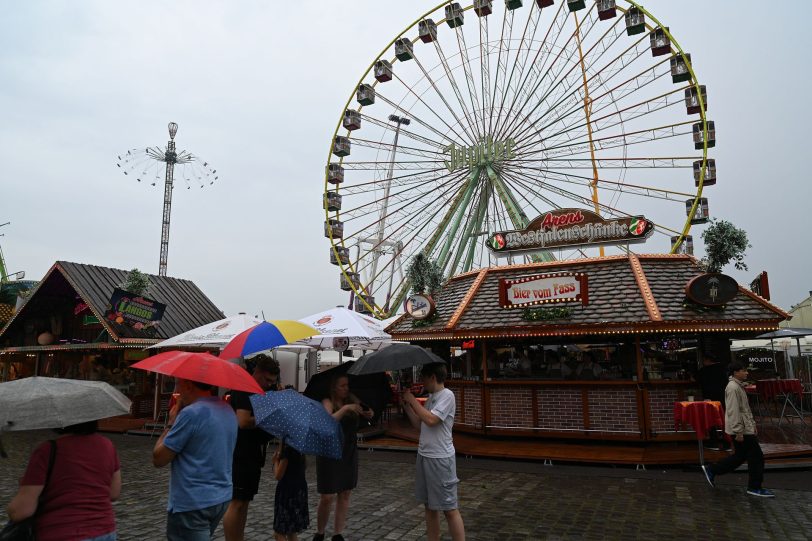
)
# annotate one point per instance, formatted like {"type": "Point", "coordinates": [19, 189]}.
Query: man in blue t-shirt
{"type": "Point", "coordinates": [198, 443]}
{"type": "Point", "coordinates": [436, 468]}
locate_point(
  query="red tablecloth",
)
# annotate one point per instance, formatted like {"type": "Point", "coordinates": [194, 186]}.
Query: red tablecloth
{"type": "Point", "coordinates": [700, 415]}
{"type": "Point", "coordinates": [770, 388]}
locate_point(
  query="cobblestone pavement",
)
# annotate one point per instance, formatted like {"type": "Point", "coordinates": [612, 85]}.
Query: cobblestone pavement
{"type": "Point", "coordinates": [499, 500]}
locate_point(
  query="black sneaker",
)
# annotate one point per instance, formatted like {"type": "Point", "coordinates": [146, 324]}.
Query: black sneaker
{"type": "Point", "coordinates": [708, 475]}
{"type": "Point", "coordinates": [318, 537]}
{"type": "Point", "coordinates": [338, 537]}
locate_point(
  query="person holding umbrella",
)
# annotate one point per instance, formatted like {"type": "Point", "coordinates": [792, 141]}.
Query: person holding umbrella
{"type": "Point", "coordinates": [78, 466]}
{"type": "Point", "coordinates": [436, 483]}
{"type": "Point", "coordinates": [335, 479]}
{"type": "Point", "coordinates": [199, 444]}
{"type": "Point", "coordinates": [249, 452]}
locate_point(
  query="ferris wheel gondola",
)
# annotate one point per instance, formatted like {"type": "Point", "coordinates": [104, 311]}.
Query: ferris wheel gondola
{"type": "Point", "coordinates": [479, 118]}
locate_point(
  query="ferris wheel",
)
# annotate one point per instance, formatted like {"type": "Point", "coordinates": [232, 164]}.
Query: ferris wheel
{"type": "Point", "coordinates": [480, 118]}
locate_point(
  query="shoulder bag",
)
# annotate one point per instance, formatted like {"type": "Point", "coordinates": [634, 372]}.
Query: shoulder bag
{"type": "Point", "coordinates": [24, 529]}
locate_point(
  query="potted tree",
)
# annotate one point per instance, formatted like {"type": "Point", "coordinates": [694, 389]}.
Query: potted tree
{"type": "Point", "coordinates": [724, 242]}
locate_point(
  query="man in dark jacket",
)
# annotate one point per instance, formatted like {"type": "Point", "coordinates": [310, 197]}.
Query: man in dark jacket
{"type": "Point", "coordinates": [712, 379]}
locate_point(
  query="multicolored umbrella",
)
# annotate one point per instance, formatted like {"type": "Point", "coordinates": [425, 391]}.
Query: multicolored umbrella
{"type": "Point", "coordinates": [201, 367]}
{"type": "Point", "coordinates": [300, 422]}
{"type": "Point", "coordinates": [267, 335]}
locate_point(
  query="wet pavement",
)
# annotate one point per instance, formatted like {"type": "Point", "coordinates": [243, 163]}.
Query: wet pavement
{"type": "Point", "coordinates": [499, 500]}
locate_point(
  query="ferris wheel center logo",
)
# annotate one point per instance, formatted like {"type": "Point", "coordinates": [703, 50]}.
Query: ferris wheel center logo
{"type": "Point", "coordinates": [564, 228]}
{"type": "Point", "coordinates": [485, 153]}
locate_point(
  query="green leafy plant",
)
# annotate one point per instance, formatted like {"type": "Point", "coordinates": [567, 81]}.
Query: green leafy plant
{"type": "Point", "coordinates": [546, 314]}
{"type": "Point", "coordinates": [724, 242]}
{"type": "Point", "coordinates": [136, 283]}
{"type": "Point", "coordinates": [425, 275]}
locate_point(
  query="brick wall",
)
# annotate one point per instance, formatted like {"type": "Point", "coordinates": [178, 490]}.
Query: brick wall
{"type": "Point", "coordinates": [613, 410]}
{"type": "Point", "coordinates": [469, 405]}
{"type": "Point", "coordinates": [511, 407]}
{"type": "Point", "coordinates": [661, 408]}
{"type": "Point", "coordinates": [560, 408]}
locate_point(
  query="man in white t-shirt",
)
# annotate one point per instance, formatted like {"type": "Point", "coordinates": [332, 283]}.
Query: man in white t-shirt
{"type": "Point", "coordinates": [436, 482]}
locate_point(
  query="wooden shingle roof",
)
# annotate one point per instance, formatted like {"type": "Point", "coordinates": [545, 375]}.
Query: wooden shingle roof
{"type": "Point", "coordinates": [187, 307]}
{"type": "Point", "coordinates": [635, 293]}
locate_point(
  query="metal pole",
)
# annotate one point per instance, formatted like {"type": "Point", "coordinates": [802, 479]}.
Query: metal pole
{"type": "Point", "coordinates": [170, 157]}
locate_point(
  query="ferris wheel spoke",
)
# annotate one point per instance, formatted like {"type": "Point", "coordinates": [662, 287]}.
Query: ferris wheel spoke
{"type": "Point", "coordinates": [624, 89]}
{"type": "Point", "coordinates": [569, 61]}
{"type": "Point", "coordinates": [412, 116]}
{"type": "Point", "coordinates": [424, 189]}
{"type": "Point", "coordinates": [585, 200]}
{"type": "Point", "coordinates": [670, 162]}
{"type": "Point", "coordinates": [485, 72]}
{"type": "Point", "coordinates": [615, 140]}
{"type": "Point", "coordinates": [362, 210]}
{"type": "Point", "coordinates": [575, 86]}
{"type": "Point", "coordinates": [468, 229]}
{"type": "Point", "coordinates": [464, 126]}
{"type": "Point", "coordinates": [479, 119]}
{"type": "Point", "coordinates": [501, 65]}
{"type": "Point", "coordinates": [532, 22]}
{"type": "Point", "coordinates": [411, 151]}
{"type": "Point", "coordinates": [398, 180]}
{"type": "Point", "coordinates": [472, 123]}
{"type": "Point", "coordinates": [614, 186]}
{"type": "Point", "coordinates": [634, 112]}
{"type": "Point", "coordinates": [388, 126]}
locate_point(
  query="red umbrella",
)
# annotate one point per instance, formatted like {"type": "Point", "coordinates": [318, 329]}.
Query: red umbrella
{"type": "Point", "coordinates": [201, 367]}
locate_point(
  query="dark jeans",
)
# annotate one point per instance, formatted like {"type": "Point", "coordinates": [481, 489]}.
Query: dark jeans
{"type": "Point", "coordinates": [196, 525]}
{"type": "Point", "coordinates": [748, 450]}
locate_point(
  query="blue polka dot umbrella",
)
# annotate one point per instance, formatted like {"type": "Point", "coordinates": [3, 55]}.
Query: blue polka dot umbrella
{"type": "Point", "coordinates": [301, 422]}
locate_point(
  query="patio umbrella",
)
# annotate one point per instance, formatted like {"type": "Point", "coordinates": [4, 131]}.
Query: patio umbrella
{"type": "Point", "coordinates": [201, 367]}
{"type": "Point", "coordinates": [299, 421]}
{"type": "Point", "coordinates": [797, 334]}
{"type": "Point", "coordinates": [216, 334]}
{"type": "Point", "coordinates": [266, 335]}
{"type": "Point", "coordinates": [371, 389]}
{"type": "Point", "coordinates": [359, 331]}
{"type": "Point", "coordinates": [394, 357]}
{"type": "Point", "coordinates": [39, 402]}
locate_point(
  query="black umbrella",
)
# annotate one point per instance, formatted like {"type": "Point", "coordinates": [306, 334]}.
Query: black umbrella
{"type": "Point", "coordinates": [394, 357]}
{"type": "Point", "coordinates": [371, 389]}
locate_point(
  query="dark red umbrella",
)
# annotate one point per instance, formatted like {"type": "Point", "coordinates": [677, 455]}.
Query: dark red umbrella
{"type": "Point", "coordinates": [200, 367]}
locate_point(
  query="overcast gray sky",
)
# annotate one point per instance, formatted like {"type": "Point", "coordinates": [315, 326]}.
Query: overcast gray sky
{"type": "Point", "coordinates": [257, 89]}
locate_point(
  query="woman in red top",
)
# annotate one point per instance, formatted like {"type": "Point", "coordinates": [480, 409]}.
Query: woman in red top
{"type": "Point", "coordinates": [76, 504]}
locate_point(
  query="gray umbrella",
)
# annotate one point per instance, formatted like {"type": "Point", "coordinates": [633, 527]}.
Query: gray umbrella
{"type": "Point", "coordinates": [394, 357]}
{"type": "Point", "coordinates": [39, 402]}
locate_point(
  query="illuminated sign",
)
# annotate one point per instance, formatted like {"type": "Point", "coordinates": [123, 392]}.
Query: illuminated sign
{"type": "Point", "coordinates": [573, 228]}
{"type": "Point", "coordinates": [544, 289]}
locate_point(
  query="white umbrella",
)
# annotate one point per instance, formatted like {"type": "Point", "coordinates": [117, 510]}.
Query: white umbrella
{"type": "Point", "coordinates": [216, 334]}
{"type": "Point", "coordinates": [39, 402]}
{"type": "Point", "coordinates": [335, 324]}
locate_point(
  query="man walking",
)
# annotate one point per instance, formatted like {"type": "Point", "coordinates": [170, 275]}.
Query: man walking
{"type": "Point", "coordinates": [739, 423]}
{"type": "Point", "coordinates": [249, 453]}
{"type": "Point", "coordinates": [436, 482]}
{"type": "Point", "coordinates": [199, 444]}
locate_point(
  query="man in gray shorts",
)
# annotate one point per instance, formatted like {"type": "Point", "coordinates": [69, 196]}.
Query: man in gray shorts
{"type": "Point", "coordinates": [436, 483]}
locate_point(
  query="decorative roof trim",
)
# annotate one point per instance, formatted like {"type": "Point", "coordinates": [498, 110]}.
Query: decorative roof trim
{"type": "Point", "coordinates": [585, 330]}
{"type": "Point", "coordinates": [764, 302]}
{"type": "Point", "coordinates": [645, 290]}
{"type": "Point", "coordinates": [472, 290]}
{"type": "Point", "coordinates": [31, 294]}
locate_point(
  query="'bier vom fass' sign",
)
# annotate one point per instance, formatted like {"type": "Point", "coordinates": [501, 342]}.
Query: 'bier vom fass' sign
{"type": "Point", "coordinates": [711, 289]}
{"type": "Point", "coordinates": [133, 310]}
{"type": "Point", "coordinates": [571, 228]}
{"type": "Point", "coordinates": [544, 289]}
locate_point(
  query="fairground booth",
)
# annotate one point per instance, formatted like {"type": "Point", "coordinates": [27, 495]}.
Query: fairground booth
{"type": "Point", "coordinates": [77, 323]}
{"type": "Point", "coordinates": [595, 348]}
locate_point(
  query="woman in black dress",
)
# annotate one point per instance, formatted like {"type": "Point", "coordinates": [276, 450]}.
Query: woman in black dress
{"type": "Point", "coordinates": [291, 514]}
{"type": "Point", "coordinates": [336, 478]}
